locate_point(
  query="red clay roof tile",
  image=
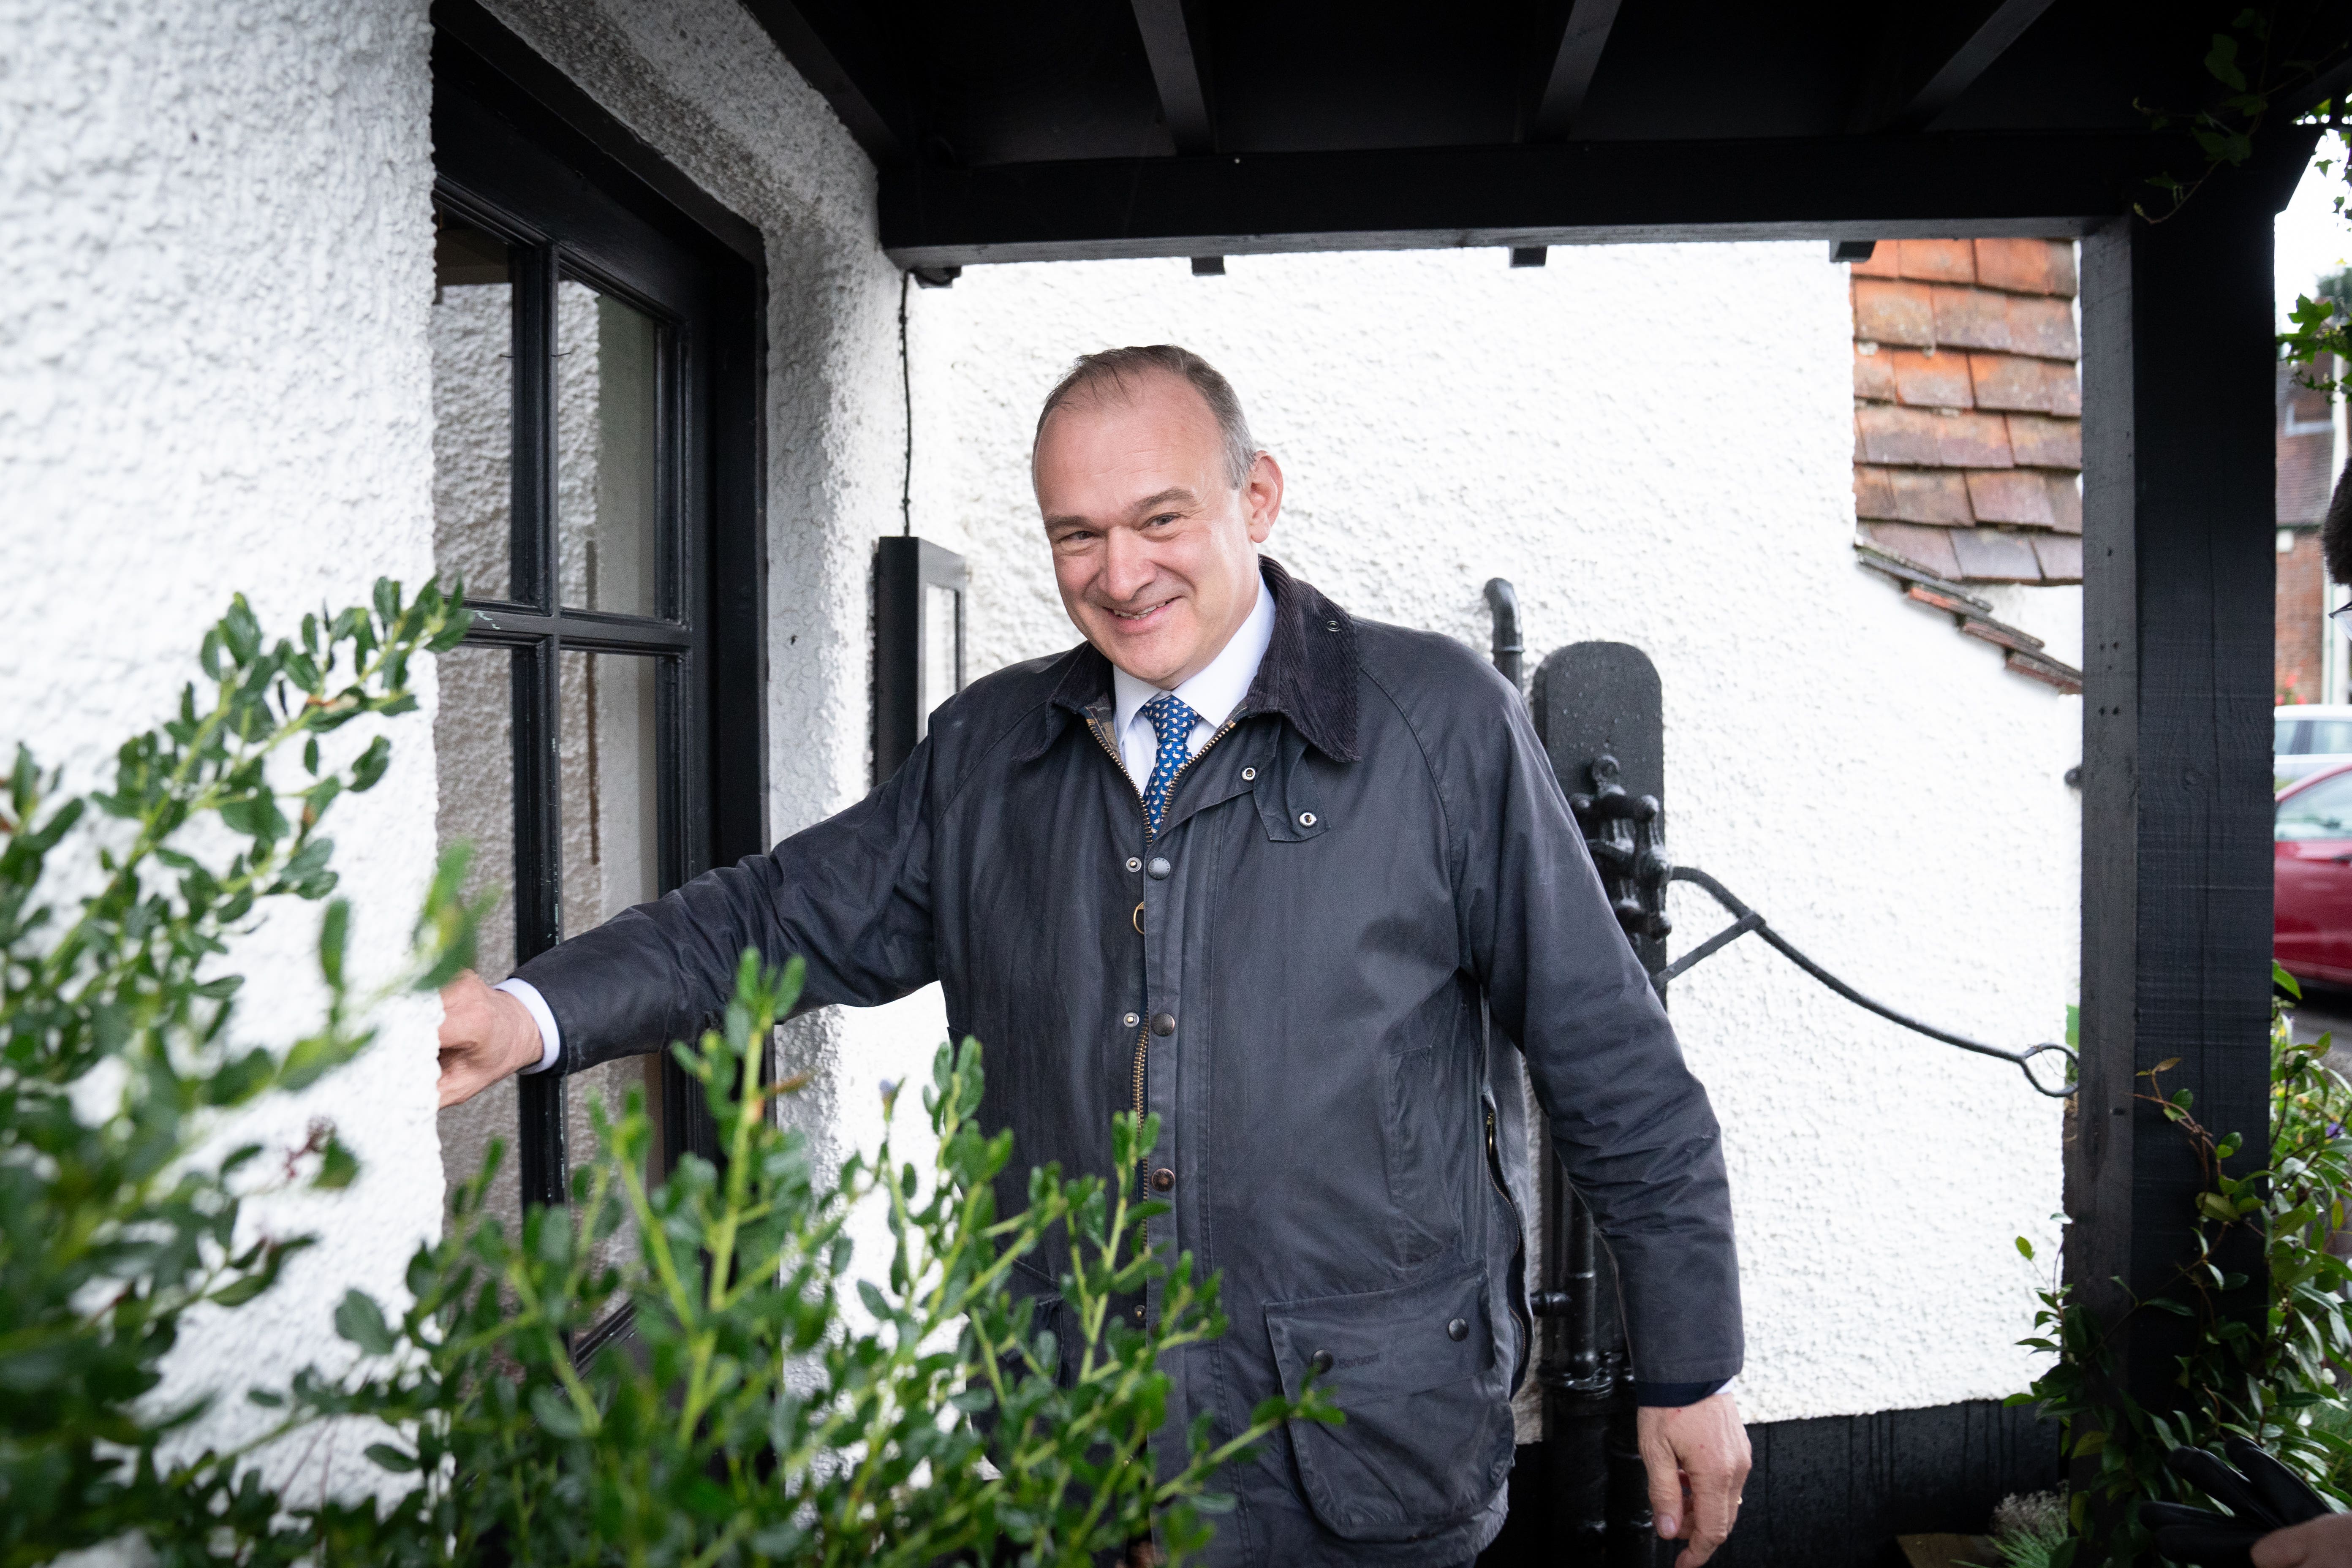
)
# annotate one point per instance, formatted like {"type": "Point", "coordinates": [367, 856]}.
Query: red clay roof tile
{"type": "Point", "coordinates": [2010, 382]}
{"type": "Point", "coordinates": [2026, 266]}
{"type": "Point", "coordinates": [1874, 374]}
{"type": "Point", "coordinates": [1929, 549]}
{"type": "Point", "coordinates": [1937, 260]}
{"type": "Point", "coordinates": [1970, 318]}
{"type": "Point", "coordinates": [1971, 441]}
{"type": "Point", "coordinates": [1882, 262]}
{"type": "Point", "coordinates": [1884, 434]}
{"type": "Point", "coordinates": [1925, 379]}
{"type": "Point", "coordinates": [1889, 311]}
{"type": "Point", "coordinates": [2060, 556]}
{"type": "Point", "coordinates": [2036, 442]}
{"type": "Point", "coordinates": [2041, 326]}
{"type": "Point", "coordinates": [2065, 501]}
{"type": "Point", "coordinates": [1986, 555]}
{"type": "Point", "coordinates": [1937, 496]}
{"type": "Point", "coordinates": [2009, 495]}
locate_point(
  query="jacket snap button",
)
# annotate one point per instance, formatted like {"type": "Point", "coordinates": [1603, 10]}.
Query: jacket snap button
{"type": "Point", "coordinates": [1160, 868]}
{"type": "Point", "coordinates": [1132, 1020]}
{"type": "Point", "coordinates": [1457, 1330]}
{"type": "Point", "coordinates": [1321, 1360]}
{"type": "Point", "coordinates": [1163, 1180]}
{"type": "Point", "coordinates": [1248, 773]}
{"type": "Point", "coordinates": [1163, 1023]}
{"type": "Point", "coordinates": [1306, 819]}
{"type": "Point", "coordinates": [1133, 864]}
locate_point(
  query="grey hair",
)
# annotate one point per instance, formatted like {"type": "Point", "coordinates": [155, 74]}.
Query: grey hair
{"type": "Point", "coordinates": [1114, 372]}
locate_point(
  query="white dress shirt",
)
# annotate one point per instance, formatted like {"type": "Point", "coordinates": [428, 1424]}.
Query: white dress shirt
{"type": "Point", "coordinates": [1212, 695]}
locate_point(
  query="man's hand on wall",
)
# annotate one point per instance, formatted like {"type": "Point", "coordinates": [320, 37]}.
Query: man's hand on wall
{"type": "Point", "coordinates": [1697, 1460]}
{"type": "Point", "coordinates": [485, 1035]}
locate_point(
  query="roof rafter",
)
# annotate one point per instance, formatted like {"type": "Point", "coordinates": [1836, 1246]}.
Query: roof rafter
{"type": "Point", "coordinates": [847, 70]}
{"type": "Point", "coordinates": [1918, 77]}
{"type": "Point", "coordinates": [1176, 71]}
{"type": "Point", "coordinates": [1583, 34]}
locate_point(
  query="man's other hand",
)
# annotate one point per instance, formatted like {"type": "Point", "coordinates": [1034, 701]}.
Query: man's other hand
{"type": "Point", "coordinates": [485, 1035]}
{"type": "Point", "coordinates": [1697, 1460]}
{"type": "Point", "coordinates": [2324, 1542]}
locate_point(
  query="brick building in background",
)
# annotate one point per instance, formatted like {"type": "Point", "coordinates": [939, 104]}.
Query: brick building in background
{"type": "Point", "coordinates": [2310, 667]}
{"type": "Point", "coordinates": [1967, 428]}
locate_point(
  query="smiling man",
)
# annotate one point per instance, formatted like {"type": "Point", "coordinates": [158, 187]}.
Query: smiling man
{"type": "Point", "coordinates": [1276, 874]}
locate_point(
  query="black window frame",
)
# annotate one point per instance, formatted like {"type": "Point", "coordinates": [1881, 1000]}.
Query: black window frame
{"type": "Point", "coordinates": [522, 154]}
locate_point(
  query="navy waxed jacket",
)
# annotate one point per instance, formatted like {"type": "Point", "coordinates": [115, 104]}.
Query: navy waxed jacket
{"type": "Point", "coordinates": [1368, 863]}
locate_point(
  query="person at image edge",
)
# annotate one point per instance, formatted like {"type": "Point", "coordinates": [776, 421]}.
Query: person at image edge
{"type": "Point", "coordinates": [1277, 868]}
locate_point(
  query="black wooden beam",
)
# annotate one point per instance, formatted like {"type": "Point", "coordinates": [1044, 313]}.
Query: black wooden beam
{"type": "Point", "coordinates": [1582, 36]}
{"type": "Point", "coordinates": [1917, 75]}
{"type": "Point", "coordinates": [846, 65]}
{"type": "Point", "coordinates": [1176, 71]}
{"type": "Point", "coordinates": [2177, 600]}
{"type": "Point", "coordinates": [1564, 194]}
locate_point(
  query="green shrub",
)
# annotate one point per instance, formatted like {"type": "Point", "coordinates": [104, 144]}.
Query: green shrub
{"type": "Point", "coordinates": [746, 1419]}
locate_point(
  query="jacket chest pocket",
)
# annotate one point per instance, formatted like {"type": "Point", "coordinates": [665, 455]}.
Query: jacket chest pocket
{"type": "Point", "coordinates": [1287, 792]}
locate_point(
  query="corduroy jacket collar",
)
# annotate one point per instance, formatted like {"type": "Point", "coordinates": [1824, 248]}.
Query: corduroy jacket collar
{"type": "Point", "coordinates": [1308, 674]}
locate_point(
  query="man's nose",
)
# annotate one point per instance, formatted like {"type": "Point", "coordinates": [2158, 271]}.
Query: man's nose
{"type": "Point", "coordinates": [1128, 566]}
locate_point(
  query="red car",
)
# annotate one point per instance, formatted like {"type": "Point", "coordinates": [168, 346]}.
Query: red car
{"type": "Point", "coordinates": [2311, 865]}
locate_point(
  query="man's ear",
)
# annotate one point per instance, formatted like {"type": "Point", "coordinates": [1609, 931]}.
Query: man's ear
{"type": "Point", "coordinates": [1261, 496]}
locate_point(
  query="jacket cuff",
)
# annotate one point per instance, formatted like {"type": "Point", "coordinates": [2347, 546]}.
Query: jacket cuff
{"type": "Point", "coordinates": [1674, 1396]}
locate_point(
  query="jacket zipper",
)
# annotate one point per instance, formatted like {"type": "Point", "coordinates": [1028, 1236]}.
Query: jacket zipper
{"type": "Point", "coordinates": [1143, 1035]}
{"type": "Point", "coordinates": [1518, 1255]}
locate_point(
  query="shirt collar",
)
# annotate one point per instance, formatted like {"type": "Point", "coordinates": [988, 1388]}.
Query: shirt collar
{"type": "Point", "coordinates": [1219, 688]}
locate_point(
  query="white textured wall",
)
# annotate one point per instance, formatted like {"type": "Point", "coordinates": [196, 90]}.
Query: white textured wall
{"type": "Point", "coordinates": [214, 265]}
{"type": "Point", "coordinates": [1655, 443]}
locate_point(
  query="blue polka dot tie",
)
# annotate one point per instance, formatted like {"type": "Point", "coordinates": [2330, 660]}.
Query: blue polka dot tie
{"type": "Point", "coordinates": [1172, 723]}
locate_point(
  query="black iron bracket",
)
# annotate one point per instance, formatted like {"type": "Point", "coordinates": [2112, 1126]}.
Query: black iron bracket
{"type": "Point", "coordinates": [1745, 920]}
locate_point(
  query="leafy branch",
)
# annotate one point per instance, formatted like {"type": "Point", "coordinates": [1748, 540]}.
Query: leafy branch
{"type": "Point", "coordinates": [2263, 1379]}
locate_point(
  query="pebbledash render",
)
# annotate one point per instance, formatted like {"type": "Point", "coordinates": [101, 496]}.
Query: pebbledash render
{"type": "Point", "coordinates": [218, 371]}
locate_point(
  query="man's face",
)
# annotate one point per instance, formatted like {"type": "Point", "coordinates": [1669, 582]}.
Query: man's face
{"type": "Point", "coordinates": [1154, 548]}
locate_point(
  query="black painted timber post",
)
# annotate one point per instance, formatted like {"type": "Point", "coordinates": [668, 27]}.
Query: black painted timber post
{"type": "Point", "coordinates": [2178, 598]}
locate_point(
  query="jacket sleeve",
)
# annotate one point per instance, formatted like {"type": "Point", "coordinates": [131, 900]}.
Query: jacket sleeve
{"type": "Point", "coordinates": [851, 896]}
{"type": "Point", "coordinates": [1630, 1121]}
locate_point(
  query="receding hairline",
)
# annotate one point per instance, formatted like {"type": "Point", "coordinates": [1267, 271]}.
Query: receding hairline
{"type": "Point", "coordinates": [1118, 374]}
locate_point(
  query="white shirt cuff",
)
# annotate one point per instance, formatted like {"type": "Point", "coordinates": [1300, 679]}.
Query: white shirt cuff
{"type": "Point", "coordinates": [550, 1039]}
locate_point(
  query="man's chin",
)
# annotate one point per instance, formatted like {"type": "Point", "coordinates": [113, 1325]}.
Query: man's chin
{"type": "Point", "coordinates": [1150, 657]}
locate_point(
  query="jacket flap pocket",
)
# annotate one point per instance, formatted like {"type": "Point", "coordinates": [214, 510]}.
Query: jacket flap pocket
{"type": "Point", "coordinates": [1427, 1442]}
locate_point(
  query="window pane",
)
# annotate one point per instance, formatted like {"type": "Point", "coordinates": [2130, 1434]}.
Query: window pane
{"type": "Point", "coordinates": [2282, 736]}
{"type": "Point", "coordinates": [944, 666]}
{"type": "Point", "coordinates": [2323, 811]}
{"type": "Point", "coordinates": [471, 339]}
{"type": "Point", "coordinates": [607, 452]}
{"type": "Point", "coordinates": [473, 743]}
{"type": "Point", "coordinates": [2330, 737]}
{"type": "Point", "coordinates": [612, 854]}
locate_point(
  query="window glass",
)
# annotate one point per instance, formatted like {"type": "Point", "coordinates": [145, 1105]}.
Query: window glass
{"type": "Point", "coordinates": [2283, 734]}
{"type": "Point", "coordinates": [470, 337]}
{"type": "Point", "coordinates": [2329, 737]}
{"type": "Point", "coordinates": [607, 452]}
{"type": "Point", "coordinates": [610, 755]}
{"type": "Point", "coordinates": [942, 644]}
{"type": "Point", "coordinates": [473, 750]}
{"type": "Point", "coordinates": [2323, 811]}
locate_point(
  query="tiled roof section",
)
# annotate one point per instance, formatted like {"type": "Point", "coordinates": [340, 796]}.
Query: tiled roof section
{"type": "Point", "coordinates": [1967, 409]}
{"type": "Point", "coordinates": [2306, 446]}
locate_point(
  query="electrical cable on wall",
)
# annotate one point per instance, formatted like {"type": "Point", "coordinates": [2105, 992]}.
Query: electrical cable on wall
{"type": "Point", "coordinates": [906, 393]}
